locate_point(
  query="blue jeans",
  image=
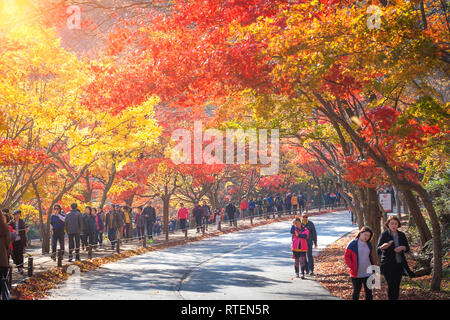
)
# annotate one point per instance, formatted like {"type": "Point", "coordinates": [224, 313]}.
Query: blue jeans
{"type": "Point", "coordinates": [309, 257]}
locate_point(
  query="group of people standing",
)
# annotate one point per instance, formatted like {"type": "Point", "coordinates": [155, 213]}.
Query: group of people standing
{"type": "Point", "coordinates": [292, 203]}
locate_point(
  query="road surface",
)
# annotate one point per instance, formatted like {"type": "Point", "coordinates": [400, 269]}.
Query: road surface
{"type": "Point", "coordinates": [253, 264]}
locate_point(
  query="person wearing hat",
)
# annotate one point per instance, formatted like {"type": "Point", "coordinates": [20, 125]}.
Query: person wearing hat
{"type": "Point", "coordinates": [311, 239]}
{"type": "Point", "coordinates": [19, 241]}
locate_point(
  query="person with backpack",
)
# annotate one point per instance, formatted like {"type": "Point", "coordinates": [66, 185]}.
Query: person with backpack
{"type": "Point", "coordinates": [300, 235]}
{"type": "Point", "coordinates": [57, 223]}
{"type": "Point", "coordinates": [279, 204]}
{"type": "Point", "coordinates": [359, 257]}
{"type": "Point", "coordinates": [74, 227]}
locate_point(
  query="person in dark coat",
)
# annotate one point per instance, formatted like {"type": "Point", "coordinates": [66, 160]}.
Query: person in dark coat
{"type": "Point", "coordinates": [99, 227]}
{"type": "Point", "coordinates": [392, 246]}
{"type": "Point", "coordinates": [89, 227]}
{"type": "Point", "coordinates": [312, 239]}
{"type": "Point", "coordinates": [57, 221]}
{"type": "Point", "coordinates": [74, 227]}
{"type": "Point", "coordinates": [140, 222]}
{"type": "Point", "coordinates": [206, 214]}
{"type": "Point", "coordinates": [5, 245]}
{"type": "Point", "coordinates": [230, 210]}
{"type": "Point", "coordinates": [149, 214]}
{"type": "Point", "coordinates": [112, 224]}
{"type": "Point", "coordinates": [197, 213]}
{"type": "Point", "coordinates": [19, 241]}
{"type": "Point", "coordinates": [287, 203]}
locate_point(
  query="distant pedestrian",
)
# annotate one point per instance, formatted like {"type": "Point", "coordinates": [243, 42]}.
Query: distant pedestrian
{"type": "Point", "coordinates": [300, 235]}
{"type": "Point", "coordinates": [74, 227]}
{"type": "Point", "coordinates": [217, 218]}
{"type": "Point", "coordinates": [128, 222]}
{"type": "Point", "coordinates": [99, 227]}
{"type": "Point", "coordinates": [149, 214]}
{"type": "Point", "coordinates": [182, 216]}
{"type": "Point", "coordinates": [287, 203]}
{"type": "Point", "coordinates": [359, 257]}
{"type": "Point", "coordinates": [244, 207]}
{"type": "Point", "coordinates": [89, 226]}
{"type": "Point", "coordinates": [206, 215]}
{"type": "Point", "coordinates": [231, 210]}
{"type": "Point", "coordinates": [251, 208]}
{"type": "Point", "coordinates": [312, 239]}
{"type": "Point", "coordinates": [57, 223]}
{"type": "Point", "coordinates": [111, 225]}
{"type": "Point", "coordinates": [5, 245]}
{"type": "Point", "coordinates": [197, 213]}
{"type": "Point", "coordinates": [19, 241]}
{"type": "Point", "coordinates": [139, 220]}
{"type": "Point", "coordinates": [279, 204]}
{"type": "Point", "coordinates": [392, 246]}
{"type": "Point", "coordinates": [294, 203]}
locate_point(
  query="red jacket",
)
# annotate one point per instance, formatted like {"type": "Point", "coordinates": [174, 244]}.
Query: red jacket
{"type": "Point", "coordinates": [351, 257]}
{"type": "Point", "coordinates": [183, 213]}
{"type": "Point", "coordinates": [244, 204]}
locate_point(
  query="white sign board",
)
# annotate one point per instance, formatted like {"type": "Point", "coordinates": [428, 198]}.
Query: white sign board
{"type": "Point", "coordinates": [385, 201]}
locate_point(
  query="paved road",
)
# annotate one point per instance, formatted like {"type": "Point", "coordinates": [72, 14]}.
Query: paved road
{"type": "Point", "coordinates": [251, 264]}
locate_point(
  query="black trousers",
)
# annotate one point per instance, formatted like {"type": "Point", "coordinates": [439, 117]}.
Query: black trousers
{"type": "Point", "coordinates": [357, 285]}
{"type": "Point", "coordinates": [17, 253]}
{"type": "Point", "coordinates": [393, 276]}
{"type": "Point", "coordinates": [183, 224]}
{"type": "Point", "coordinates": [74, 243]}
{"type": "Point", "coordinates": [58, 236]}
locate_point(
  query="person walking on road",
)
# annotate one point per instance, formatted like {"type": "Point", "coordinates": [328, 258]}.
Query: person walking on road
{"type": "Point", "coordinates": [294, 203]}
{"type": "Point", "coordinates": [206, 215]}
{"type": "Point", "coordinates": [197, 213]}
{"type": "Point", "coordinates": [287, 203]}
{"type": "Point", "coordinates": [359, 257]}
{"type": "Point", "coordinates": [74, 226]}
{"type": "Point", "coordinates": [300, 235]}
{"type": "Point", "coordinates": [128, 223]}
{"type": "Point", "coordinates": [89, 227]}
{"type": "Point", "coordinates": [231, 210]}
{"type": "Point", "coordinates": [111, 226]}
{"type": "Point", "coordinates": [99, 227]}
{"type": "Point", "coordinates": [244, 207]}
{"type": "Point", "coordinates": [57, 223]}
{"type": "Point", "coordinates": [5, 247]}
{"type": "Point", "coordinates": [149, 214]}
{"type": "Point", "coordinates": [19, 241]}
{"type": "Point", "coordinates": [182, 216]}
{"type": "Point", "coordinates": [140, 223]}
{"type": "Point", "coordinates": [312, 239]}
{"type": "Point", "coordinates": [251, 208]}
{"type": "Point", "coordinates": [392, 246]}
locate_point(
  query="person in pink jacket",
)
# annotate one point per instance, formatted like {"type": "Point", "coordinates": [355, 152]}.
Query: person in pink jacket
{"type": "Point", "coordinates": [299, 246]}
{"type": "Point", "coordinates": [182, 215]}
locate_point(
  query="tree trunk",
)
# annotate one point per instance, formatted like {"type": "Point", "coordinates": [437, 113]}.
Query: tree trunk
{"type": "Point", "coordinates": [398, 203]}
{"type": "Point", "coordinates": [419, 220]}
{"type": "Point", "coordinates": [374, 218]}
{"type": "Point", "coordinates": [437, 245]}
